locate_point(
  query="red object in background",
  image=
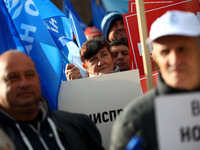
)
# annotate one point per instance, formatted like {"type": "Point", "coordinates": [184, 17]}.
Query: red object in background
{"type": "Point", "coordinates": [144, 83]}
{"type": "Point", "coordinates": [92, 32]}
{"type": "Point", "coordinates": [153, 10]}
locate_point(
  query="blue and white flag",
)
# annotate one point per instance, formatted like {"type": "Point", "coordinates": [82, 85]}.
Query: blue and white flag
{"type": "Point", "coordinates": [54, 19]}
{"type": "Point", "coordinates": [58, 25]}
{"type": "Point", "coordinates": [80, 39]}
{"type": "Point", "coordinates": [77, 29]}
{"type": "Point", "coordinates": [69, 51]}
{"type": "Point", "coordinates": [61, 28]}
{"type": "Point", "coordinates": [67, 5]}
{"type": "Point", "coordinates": [37, 43]}
{"type": "Point", "coordinates": [8, 32]}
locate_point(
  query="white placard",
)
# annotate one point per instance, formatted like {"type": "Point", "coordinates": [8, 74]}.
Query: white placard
{"type": "Point", "coordinates": [178, 121]}
{"type": "Point", "coordinates": [100, 97]}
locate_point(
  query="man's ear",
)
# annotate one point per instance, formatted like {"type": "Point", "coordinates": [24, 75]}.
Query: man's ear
{"type": "Point", "coordinates": [154, 61]}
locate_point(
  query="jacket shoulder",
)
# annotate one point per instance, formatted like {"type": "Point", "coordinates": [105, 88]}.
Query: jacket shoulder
{"type": "Point", "coordinates": [129, 122]}
{"type": "Point", "coordinates": [78, 127]}
{"type": "Point", "coordinates": [71, 118]}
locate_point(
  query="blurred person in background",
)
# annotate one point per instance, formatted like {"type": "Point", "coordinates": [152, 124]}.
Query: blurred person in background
{"type": "Point", "coordinates": [113, 28]}
{"type": "Point", "coordinates": [91, 32]}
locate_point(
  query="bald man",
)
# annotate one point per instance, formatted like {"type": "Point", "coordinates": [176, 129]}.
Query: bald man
{"type": "Point", "coordinates": [26, 117]}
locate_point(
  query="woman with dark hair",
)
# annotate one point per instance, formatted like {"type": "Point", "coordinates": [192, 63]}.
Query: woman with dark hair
{"type": "Point", "coordinates": [96, 57]}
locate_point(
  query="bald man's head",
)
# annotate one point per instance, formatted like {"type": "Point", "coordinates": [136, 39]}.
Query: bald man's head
{"type": "Point", "coordinates": [20, 85]}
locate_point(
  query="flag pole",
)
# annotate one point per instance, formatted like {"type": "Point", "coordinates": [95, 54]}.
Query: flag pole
{"type": "Point", "coordinates": [145, 47]}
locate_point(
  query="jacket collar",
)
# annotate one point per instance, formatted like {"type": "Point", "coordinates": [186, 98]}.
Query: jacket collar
{"type": "Point", "coordinates": [163, 88]}
{"type": "Point", "coordinates": [43, 108]}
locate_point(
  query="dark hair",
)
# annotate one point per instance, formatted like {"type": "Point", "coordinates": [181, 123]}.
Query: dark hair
{"type": "Point", "coordinates": [92, 47]}
{"type": "Point", "coordinates": [118, 42]}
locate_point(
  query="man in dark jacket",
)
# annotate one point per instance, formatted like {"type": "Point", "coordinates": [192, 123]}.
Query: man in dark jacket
{"type": "Point", "coordinates": [175, 38]}
{"type": "Point", "coordinates": [28, 120]}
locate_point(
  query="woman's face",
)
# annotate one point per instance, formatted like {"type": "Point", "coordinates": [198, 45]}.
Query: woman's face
{"type": "Point", "coordinates": [99, 64]}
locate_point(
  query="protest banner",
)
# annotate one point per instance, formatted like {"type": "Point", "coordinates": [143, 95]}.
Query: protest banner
{"type": "Point", "coordinates": [178, 121]}
{"type": "Point", "coordinates": [153, 10]}
{"type": "Point", "coordinates": [102, 98]}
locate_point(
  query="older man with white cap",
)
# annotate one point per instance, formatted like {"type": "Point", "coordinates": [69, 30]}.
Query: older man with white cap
{"type": "Point", "coordinates": [175, 38]}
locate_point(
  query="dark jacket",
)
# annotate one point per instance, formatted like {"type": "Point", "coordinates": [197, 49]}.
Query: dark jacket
{"type": "Point", "coordinates": [138, 119]}
{"type": "Point", "coordinates": [55, 129]}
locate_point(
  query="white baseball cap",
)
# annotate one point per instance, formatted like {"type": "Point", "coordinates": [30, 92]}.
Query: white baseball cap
{"type": "Point", "coordinates": [175, 22]}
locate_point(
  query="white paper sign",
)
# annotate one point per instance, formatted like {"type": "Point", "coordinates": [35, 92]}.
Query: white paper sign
{"type": "Point", "coordinates": [178, 121]}
{"type": "Point", "coordinates": [101, 97]}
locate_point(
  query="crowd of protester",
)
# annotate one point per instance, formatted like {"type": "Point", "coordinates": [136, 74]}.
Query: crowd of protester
{"type": "Point", "coordinates": [27, 121]}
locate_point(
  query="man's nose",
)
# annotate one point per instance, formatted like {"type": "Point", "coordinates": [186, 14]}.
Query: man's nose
{"type": "Point", "coordinates": [24, 82]}
{"type": "Point", "coordinates": [174, 57]}
{"type": "Point", "coordinates": [120, 56]}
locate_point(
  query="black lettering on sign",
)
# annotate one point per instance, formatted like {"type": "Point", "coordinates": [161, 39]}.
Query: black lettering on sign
{"type": "Point", "coordinates": [105, 116]}
{"type": "Point", "coordinates": [185, 134]}
{"type": "Point", "coordinates": [196, 133]}
{"type": "Point", "coordinates": [188, 134]}
{"type": "Point", "coordinates": [195, 108]}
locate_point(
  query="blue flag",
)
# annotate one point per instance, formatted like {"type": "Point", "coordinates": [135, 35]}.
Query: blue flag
{"type": "Point", "coordinates": [77, 29]}
{"type": "Point", "coordinates": [8, 32]}
{"type": "Point", "coordinates": [54, 19]}
{"type": "Point", "coordinates": [98, 12]}
{"type": "Point", "coordinates": [69, 51]}
{"type": "Point", "coordinates": [37, 43]}
{"type": "Point", "coordinates": [58, 25]}
{"type": "Point", "coordinates": [80, 39]}
{"type": "Point", "coordinates": [61, 29]}
{"type": "Point", "coordinates": [67, 5]}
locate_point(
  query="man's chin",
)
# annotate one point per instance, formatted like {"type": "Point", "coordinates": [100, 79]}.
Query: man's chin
{"type": "Point", "coordinates": [123, 68]}
{"type": "Point", "coordinates": [27, 101]}
{"type": "Point", "coordinates": [177, 83]}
